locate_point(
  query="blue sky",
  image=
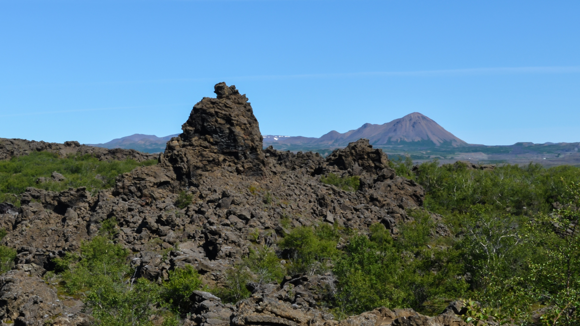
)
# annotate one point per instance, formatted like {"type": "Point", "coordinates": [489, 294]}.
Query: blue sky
{"type": "Point", "coordinates": [490, 72]}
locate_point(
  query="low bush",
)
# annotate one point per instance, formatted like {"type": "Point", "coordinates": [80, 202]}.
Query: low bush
{"type": "Point", "coordinates": [99, 263]}
{"type": "Point", "coordinates": [178, 289]}
{"type": "Point", "coordinates": [262, 266]}
{"type": "Point", "coordinates": [311, 249]}
{"type": "Point", "coordinates": [235, 288]}
{"type": "Point", "coordinates": [108, 228]}
{"type": "Point", "coordinates": [265, 264]}
{"type": "Point", "coordinates": [183, 200]}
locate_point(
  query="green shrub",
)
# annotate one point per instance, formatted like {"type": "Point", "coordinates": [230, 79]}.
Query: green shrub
{"type": "Point", "coordinates": [99, 262]}
{"type": "Point", "coordinates": [262, 266]}
{"type": "Point", "coordinates": [183, 200]}
{"type": "Point", "coordinates": [268, 198]}
{"type": "Point", "coordinates": [526, 190]}
{"type": "Point", "coordinates": [345, 183]}
{"type": "Point", "coordinates": [403, 167]}
{"type": "Point", "coordinates": [266, 266]}
{"type": "Point", "coordinates": [524, 264]}
{"type": "Point", "coordinates": [108, 228]}
{"type": "Point", "coordinates": [378, 271]}
{"type": "Point", "coordinates": [416, 234]}
{"type": "Point", "coordinates": [178, 289]}
{"type": "Point", "coordinates": [7, 257]}
{"type": "Point", "coordinates": [311, 249]}
{"type": "Point", "coordinates": [286, 221]}
{"type": "Point", "coordinates": [127, 303]}
{"type": "Point", "coordinates": [235, 288]}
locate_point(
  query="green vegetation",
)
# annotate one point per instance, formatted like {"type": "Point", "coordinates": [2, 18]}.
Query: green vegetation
{"type": "Point", "coordinates": [183, 200]}
{"type": "Point", "coordinates": [268, 198]}
{"type": "Point", "coordinates": [376, 270]}
{"type": "Point", "coordinates": [514, 248]}
{"type": "Point", "coordinates": [345, 183]}
{"type": "Point", "coordinates": [506, 242]}
{"type": "Point", "coordinates": [265, 265]}
{"type": "Point", "coordinates": [181, 284]}
{"type": "Point", "coordinates": [311, 249]}
{"type": "Point", "coordinates": [516, 245]}
{"type": "Point", "coordinates": [262, 266]}
{"type": "Point", "coordinates": [519, 191]}
{"type": "Point", "coordinates": [101, 276]}
{"type": "Point", "coordinates": [7, 255]}
{"type": "Point", "coordinates": [21, 172]}
{"type": "Point", "coordinates": [235, 288]}
{"type": "Point", "coordinates": [403, 166]}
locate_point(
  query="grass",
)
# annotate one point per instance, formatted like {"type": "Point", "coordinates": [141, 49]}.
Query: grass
{"type": "Point", "coordinates": [19, 173]}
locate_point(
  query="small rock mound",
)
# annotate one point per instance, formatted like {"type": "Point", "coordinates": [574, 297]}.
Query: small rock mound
{"type": "Point", "coordinates": [220, 132]}
{"type": "Point", "coordinates": [359, 157]}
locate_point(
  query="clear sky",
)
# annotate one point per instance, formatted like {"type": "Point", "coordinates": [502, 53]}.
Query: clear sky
{"type": "Point", "coordinates": [490, 72]}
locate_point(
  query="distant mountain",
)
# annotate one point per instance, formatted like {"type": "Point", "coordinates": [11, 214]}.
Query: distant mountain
{"type": "Point", "coordinates": [412, 129]}
{"type": "Point", "coordinates": [140, 142]}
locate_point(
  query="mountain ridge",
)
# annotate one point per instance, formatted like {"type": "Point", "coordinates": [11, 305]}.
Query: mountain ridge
{"type": "Point", "coordinates": [412, 128]}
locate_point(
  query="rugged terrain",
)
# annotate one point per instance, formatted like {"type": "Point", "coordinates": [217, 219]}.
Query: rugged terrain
{"type": "Point", "coordinates": [240, 194]}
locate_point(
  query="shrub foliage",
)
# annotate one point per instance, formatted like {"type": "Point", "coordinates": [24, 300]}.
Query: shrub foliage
{"type": "Point", "coordinates": [21, 172]}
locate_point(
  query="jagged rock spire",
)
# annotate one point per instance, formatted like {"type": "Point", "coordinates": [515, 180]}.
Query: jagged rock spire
{"type": "Point", "coordinates": [220, 132]}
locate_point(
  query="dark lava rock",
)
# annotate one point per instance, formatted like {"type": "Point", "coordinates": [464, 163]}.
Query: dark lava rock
{"type": "Point", "coordinates": [27, 300]}
{"type": "Point", "coordinates": [359, 157]}
{"type": "Point", "coordinates": [220, 132]}
{"type": "Point", "coordinates": [6, 208]}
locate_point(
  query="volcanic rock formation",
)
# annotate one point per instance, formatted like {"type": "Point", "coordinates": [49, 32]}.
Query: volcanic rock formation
{"type": "Point", "coordinates": [240, 194]}
{"type": "Point", "coordinates": [220, 132]}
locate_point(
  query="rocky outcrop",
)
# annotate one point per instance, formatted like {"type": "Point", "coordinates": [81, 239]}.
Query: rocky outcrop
{"type": "Point", "coordinates": [221, 132]}
{"type": "Point", "coordinates": [214, 195]}
{"type": "Point", "coordinates": [359, 157]}
{"type": "Point", "coordinates": [27, 300]}
{"type": "Point", "coordinates": [19, 147]}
